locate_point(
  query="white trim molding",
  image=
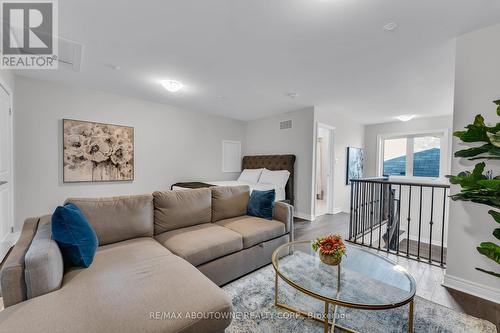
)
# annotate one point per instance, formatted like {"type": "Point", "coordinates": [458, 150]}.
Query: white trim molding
{"type": "Point", "coordinates": [472, 288]}
{"type": "Point", "coordinates": [307, 217]}
{"type": "Point", "coordinates": [337, 210]}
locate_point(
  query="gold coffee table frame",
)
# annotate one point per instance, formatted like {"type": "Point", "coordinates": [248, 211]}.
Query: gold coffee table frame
{"type": "Point", "coordinates": [336, 302]}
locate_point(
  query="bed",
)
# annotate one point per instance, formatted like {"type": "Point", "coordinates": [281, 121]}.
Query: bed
{"type": "Point", "coordinates": [270, 162]}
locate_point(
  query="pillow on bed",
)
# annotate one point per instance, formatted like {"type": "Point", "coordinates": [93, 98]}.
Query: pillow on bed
{"type": "Point", "coordinates": [278, 177]}
{"type": "Point", "coordinates": [250, 175]}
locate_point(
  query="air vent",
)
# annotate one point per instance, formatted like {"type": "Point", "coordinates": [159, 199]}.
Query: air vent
{"type": "Point", "coordinates": [70, 54]}
{"type": "Point", "coordinates": [286, 124]}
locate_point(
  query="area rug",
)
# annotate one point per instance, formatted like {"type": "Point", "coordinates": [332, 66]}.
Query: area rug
{"type": "Point", "coordinates": [254, 311]}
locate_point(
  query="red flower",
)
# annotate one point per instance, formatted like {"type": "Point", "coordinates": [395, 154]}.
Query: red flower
{"type": "Point", "coordinates": [332, 245]}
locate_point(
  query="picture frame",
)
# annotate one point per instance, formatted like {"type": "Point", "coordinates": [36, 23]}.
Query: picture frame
{"type": "Point", "coordinates": [355, 163]}
{"type": "Point", "coordinates": [97, 152]}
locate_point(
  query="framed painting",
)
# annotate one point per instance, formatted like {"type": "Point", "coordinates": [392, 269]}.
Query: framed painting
{"type": "Point", "coordinates": [96, 152]}
{"type": "Point", "coordinates": [355, 161]}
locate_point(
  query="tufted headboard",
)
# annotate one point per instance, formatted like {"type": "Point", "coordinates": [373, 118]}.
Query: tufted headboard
{"type": "Point", "coordinates": [274, 162]}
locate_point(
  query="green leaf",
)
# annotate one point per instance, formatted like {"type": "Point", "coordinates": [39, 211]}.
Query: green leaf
{"type": "Point", "coordinates": [477, 173]}
{"type": "Point", "coordinates": [496, 233]}
{"type": "Point", "coordinates": [490, 250]}
{"type": "Point", "coordinates": [498, 108]}
{"type": "Point", "coordinates": [489, 272]}
{"type": "Point", "coordinates": [494, 138]}
{"type": "Point", "coordinates": [490, 184]}
{"type": "Point", "coordinates": [471, 152]}
{"type": "Point", "coordinates": [489, 158]}
{"type": "Point", "coordinates": [495, 215]}
{"type": "Point", "coordinates": [479, 120]}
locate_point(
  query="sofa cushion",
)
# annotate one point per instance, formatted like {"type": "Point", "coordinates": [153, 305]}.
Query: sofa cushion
{"type": "Point", "coordinates": [74, 235]}
{"type": "Point", "coordinates": [179, 209]}
{"type": "Point", "coordinates": [130, 287]}
{"type": "Point", "coordinates": [201, 243]}
{"type": "Point", "coordinates": [44, 267]}
{"type": "Point", "coordinates": [229, 201]}
{"type": "Point", "coordinates": [254, 230]}
{"type": "Point", "coordinates": [117, 219]}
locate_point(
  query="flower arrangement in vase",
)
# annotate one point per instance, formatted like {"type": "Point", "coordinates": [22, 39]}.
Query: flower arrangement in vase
{"type": "Point", "coordinates": [331, 249]}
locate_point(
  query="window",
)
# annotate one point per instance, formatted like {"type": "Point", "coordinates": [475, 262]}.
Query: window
{"type": "Point", "coordinates": [426, 156]}
{"type": "Point", "coordinates": [416, 155]}
{"type": "Point", "coordinates": [395, 157]}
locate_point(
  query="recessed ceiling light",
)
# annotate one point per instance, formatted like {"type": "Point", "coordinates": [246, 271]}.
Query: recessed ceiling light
{"type": "Point", "coordinates": [115, 67]}
{"type": "Point", "coordinates": [391, 26]}
{"type": "Point", "coordinates": [172, 85]}
{"type": "Point", "coordinates": [292, 95]}
{"type": "Point", "coordinates": [405, 117]}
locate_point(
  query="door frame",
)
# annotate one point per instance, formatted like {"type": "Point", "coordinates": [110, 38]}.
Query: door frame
{"type": "Point", "coordinates": [330, 185]}
{"type": "Point", "coordinates": [11, 238]}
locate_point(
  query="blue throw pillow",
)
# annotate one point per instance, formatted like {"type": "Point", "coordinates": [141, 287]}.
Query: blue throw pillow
{"type": "Point", "coordinates": [74, 235]}
{"type": "Point", "coordinates": [261, 204]}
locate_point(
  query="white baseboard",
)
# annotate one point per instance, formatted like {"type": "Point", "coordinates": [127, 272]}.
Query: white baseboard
{"type": "Point", "coordinates": [337, 210]}
{"type": "Point", "coordinates": [472, 288]}
{"type": "Point", "coordinates": [426, 240]}
{"type": "Point", "coordinates": [303, 216]}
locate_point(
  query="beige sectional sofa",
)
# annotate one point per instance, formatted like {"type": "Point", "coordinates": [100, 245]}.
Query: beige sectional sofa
{"type": "Point", "coordinates": [160, 258]}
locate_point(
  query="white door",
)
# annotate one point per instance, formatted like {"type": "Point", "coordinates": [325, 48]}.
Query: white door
{"type": "Point", "coordinates": [6, 200]}
{"type": "Point", "coordinates": [324, 171]}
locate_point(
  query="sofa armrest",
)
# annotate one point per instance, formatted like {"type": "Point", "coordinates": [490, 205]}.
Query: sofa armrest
{"type": "Point", "coordinates": [44, 265]}
{"type": "Point", "coordinates": [283, 212]}
{"type": "Point", "coordinates": [12, 281]}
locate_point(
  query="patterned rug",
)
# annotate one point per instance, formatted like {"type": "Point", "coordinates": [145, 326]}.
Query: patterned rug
{"type": "Point", "coordinates": [253, 301]}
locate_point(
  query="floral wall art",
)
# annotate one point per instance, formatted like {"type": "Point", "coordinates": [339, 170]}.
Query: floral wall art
{"type": "Point", "coordinates": [96, 152]}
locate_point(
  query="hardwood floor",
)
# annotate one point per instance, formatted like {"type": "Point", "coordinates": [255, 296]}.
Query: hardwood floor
{"type": "Point", "coordinates": [428, 277]}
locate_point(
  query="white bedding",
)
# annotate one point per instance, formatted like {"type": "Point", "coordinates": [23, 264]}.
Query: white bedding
{"type": "Point", "coordinates": [280, 191]}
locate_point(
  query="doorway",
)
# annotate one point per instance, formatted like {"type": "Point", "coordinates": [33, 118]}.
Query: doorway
{"type": "Point", "coordinates": [323, 190]}
{"type": "Point", "coordinates": [6, 179]}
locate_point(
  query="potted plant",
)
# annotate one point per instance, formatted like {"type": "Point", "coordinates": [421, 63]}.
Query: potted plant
{"type": "Point", "coordinates": [331, 249]}
{"type": "Point", "coordinates": [478, 186]}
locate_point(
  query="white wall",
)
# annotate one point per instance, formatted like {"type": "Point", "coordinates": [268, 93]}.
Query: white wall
{"type": "Point", "coordinates": [347, 133]}
{"type": "Point", "coordinates": [7, 78]}
{"type": "Point", "coordinates": [477, 85]}
{"type": "Point", "coordinates": [170, 144]}
{"type": "Point", "coordinates": [414, 125]}
{"type": "Point", "coordinates": [263, 137]}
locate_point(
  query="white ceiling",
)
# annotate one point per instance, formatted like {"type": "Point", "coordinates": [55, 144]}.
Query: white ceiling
{"type": "Point", "coordinates": [333, 53]}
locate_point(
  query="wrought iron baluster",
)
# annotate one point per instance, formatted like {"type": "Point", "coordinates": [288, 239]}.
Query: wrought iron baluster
{"type": "Point", "coordinates": [375, 202]}
{"type": "Point", "coordinates": [381, 214]}
{"type": "Point", "coordinates": [442, 226]}
{"type": "Point", "coordinates": [431, 223]}
{"type": "Point", "coordinates": [351, 217]}
{"type": "Point", "coordinates": [419, 224]}
{"type": "Point", "coordinates": [399, 220]}
{"type": "Point", "coordinates": [408, 225]}
{"type": "Point", "coordinates": [371, 214]}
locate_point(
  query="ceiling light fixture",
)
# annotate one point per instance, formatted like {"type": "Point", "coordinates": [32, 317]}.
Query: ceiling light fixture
{"type": "Point", "coordinates": [405, 117]}
{"type": "Point", "coordinates": [112, 66]}
{"type": "Point", "coordinates": [292, 95]}
{"type": "Point", "coordinates": [391, 26]}
{"type": "Point", "coordinates": [172, 85]}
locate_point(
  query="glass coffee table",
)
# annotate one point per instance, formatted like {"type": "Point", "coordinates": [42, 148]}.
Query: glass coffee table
{"type": "Point", "coordinates": [363, 280]}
